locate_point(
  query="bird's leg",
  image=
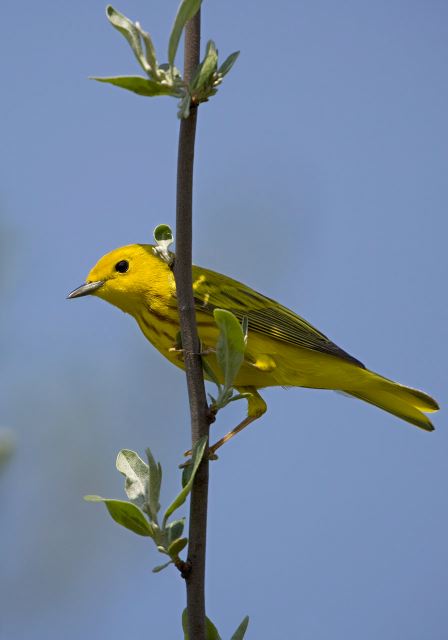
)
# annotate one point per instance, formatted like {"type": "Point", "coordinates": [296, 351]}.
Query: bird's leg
{"type": "Point", "coordinates": [256, 406]}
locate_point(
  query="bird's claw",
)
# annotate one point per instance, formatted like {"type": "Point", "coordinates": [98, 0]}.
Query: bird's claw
{"type": "Point", "coordinates": [211, 455]}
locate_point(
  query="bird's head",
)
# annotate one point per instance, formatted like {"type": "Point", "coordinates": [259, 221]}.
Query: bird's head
{"type": "Point", "coordinates": [128, 277]}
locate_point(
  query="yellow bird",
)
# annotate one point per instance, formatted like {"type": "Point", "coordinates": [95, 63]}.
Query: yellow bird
{"type": "Point", "coordinates": [282, 349]}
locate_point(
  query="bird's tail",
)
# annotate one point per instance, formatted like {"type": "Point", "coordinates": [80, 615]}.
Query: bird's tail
{"type": "Point", "coordinates": [406, 403]}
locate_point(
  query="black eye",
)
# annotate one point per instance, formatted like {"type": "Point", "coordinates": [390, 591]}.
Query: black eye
{"type": "Point", "coordinates": [122, 266]}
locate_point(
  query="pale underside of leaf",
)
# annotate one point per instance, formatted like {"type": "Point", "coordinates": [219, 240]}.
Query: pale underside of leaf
{"type": "Point", "coordinates": [138, 84]}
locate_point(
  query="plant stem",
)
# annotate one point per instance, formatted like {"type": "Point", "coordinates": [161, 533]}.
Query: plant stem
{"type": "Point", "coordinates": [200, 422]}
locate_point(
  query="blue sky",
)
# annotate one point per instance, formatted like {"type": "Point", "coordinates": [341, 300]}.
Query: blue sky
{"type": "Point", "coordinates": [321, 182]}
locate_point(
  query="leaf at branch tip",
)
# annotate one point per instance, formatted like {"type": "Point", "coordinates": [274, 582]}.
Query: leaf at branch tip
{"type": "Point", "coordinates": [163, 236]}
{"type": "Point", "coordinates": [177, 546]}
{"type": "Point", "coordinates": [127, 514]}
{"type": "Point", "coordinates": [228, 63]}
{"type": "Point", "coordinates": [139, 85]}
{"type": "Point", "coordinates": [230, 346]}
{"type": "Point", "coordinates": [187, 9]}
{"type": "Point", "coordinates": [198, 452]}
{"type": "Point", "coordinates": [128, 29]}
{"type": "Point", "coordinates": [161, 567]}
{"type": "Point", "coordinates": [204, 72]}
{"type": "Point", "coordinates": [136, 472]}
{"type": "Point", "coordinates": [239, 633]}
{"type": "Point", "coordinates": [163, 233]}
{"type": "Point", "coordinates": [150, 51]}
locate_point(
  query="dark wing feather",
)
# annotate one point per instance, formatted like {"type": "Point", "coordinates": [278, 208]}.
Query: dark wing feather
{"type": "Point", "coordinates": [213, 290]}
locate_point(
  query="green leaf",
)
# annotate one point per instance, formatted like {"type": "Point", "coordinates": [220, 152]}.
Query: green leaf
{"type": "Point", "coordinates": [127, 514]}
{"type": "Point", "coordinates": [162, 549]}
{"type": "Point", "coordinates": [136, 472]}
{"type": "Point", "coordinates": [239, 633]}
{"type": "Point", "coordinates": [228, 63]}
{"type": "Point", "coordinates": [211, 632]}
{"type": "Point", "coordinates": [155, 482]}
{"type": "Point", "coordinates": [175, 529]}
{"type": "Point", "coordinates": [164, 238]}
{"type": "Point", "coordinates": [198, 452]}
{"type": "Point", "coordinates": [209, 372]}
{"type": "Point", "coordinates": [186, 474]}
{"type": "Point", "coordinates": [187, 9]}
{"type": "Point", "coordinates": [161, 567]}
{"type": "Point", "coordinates": [163, 233]}
{"type": "Point", "coordinates": [177, 546]}
{"type": "Point", "coordinates": [204, 73]}
{"type": "Point", "coordinates": [185, 623]}
{"type": "Point", "coordinates": [183, 110]}
{"type": "Point", "coordinates": [150, 52]}
{"type": "Point", "coordinates": [230, 346]}
{"type": "Point", "coordinates": [139, 85]}
{"type": "Point", "coordinates": [128, 29]}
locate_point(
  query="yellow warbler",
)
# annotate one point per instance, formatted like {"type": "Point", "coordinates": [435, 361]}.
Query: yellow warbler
{"type": "Point", "coordinates": [282, 348]}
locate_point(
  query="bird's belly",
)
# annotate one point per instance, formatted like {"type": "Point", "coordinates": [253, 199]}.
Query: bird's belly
{"type": "Point", "coordinates": [268, 362]}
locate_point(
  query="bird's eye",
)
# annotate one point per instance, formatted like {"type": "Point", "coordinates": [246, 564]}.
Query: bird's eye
{"type": "Point", "coordinates": [122, 266]}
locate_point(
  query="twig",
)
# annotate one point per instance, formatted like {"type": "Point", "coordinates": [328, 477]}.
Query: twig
{"type": "Point", "coordinates": [195, 577]}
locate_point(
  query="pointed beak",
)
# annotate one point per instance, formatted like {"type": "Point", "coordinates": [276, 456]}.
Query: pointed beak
{"type": "Point", "coordinates": [85, 289]}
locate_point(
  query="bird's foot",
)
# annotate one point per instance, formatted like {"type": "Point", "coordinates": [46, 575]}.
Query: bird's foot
{"type": "Point", "coordinates": [211, 455]}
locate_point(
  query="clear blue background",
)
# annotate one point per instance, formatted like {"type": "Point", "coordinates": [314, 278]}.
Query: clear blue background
{"type": "Point", "coordinates": [321, 180]}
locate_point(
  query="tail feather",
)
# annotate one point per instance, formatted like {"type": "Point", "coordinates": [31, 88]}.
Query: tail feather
{"type": "Point", "coordinates": [404, 402]}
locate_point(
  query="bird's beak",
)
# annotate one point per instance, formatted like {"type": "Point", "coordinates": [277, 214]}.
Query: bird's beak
{"type": "Point", "coordinates": [85, 289]}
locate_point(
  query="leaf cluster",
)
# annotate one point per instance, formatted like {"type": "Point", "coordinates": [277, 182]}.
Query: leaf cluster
{"type": "Point", "coordinates": [140, 514]}
{"type": "Point", "coordinates": [165, 79]}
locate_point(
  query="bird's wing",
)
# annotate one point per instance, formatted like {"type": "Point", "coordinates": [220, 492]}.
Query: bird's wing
{"type": "Point", "coordinates": [266, 316]}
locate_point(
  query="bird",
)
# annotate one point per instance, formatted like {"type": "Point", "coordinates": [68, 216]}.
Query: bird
{"type": "Point", "coordinates": [282, 348]}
